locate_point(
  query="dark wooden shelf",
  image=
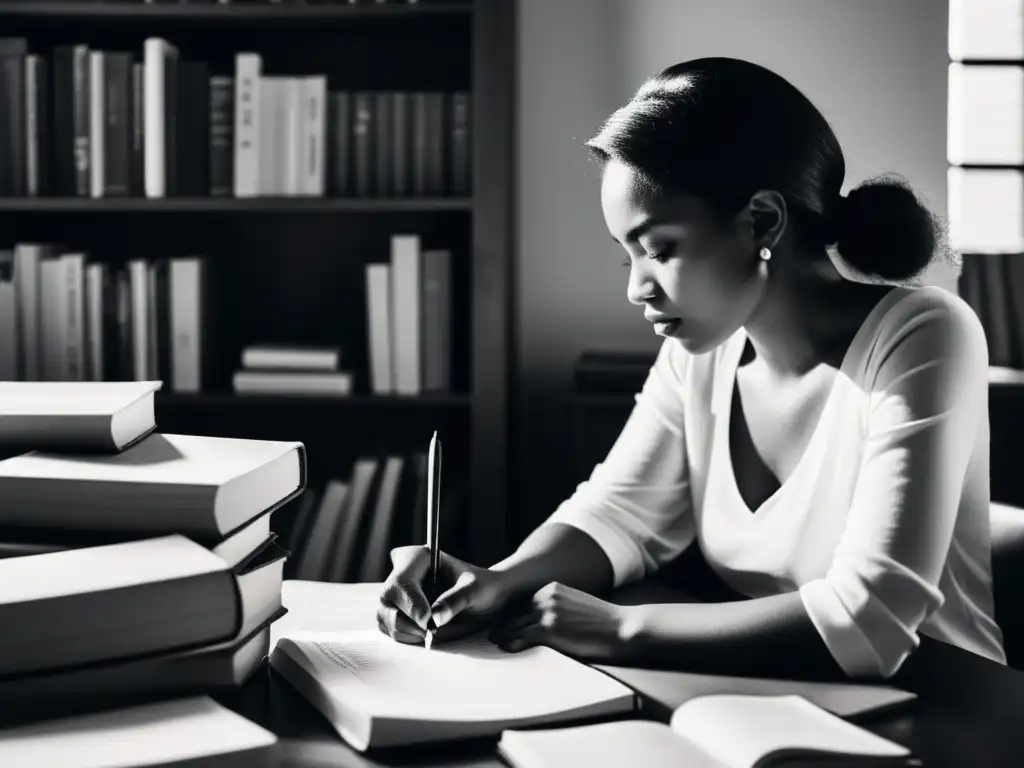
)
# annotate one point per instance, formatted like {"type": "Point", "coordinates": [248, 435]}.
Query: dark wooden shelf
{"type": "Point", "coordinates": [235, 401]}
{"type": "Point", "coordinates": [285, 13]}
{"type": "Point", "coordinates": [260, 205]}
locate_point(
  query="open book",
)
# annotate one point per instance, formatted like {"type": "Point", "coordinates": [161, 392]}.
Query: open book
{"type": "Point", "coordinates": [713, 731]}
{"type": "Point", "coordinates": [377, 692]}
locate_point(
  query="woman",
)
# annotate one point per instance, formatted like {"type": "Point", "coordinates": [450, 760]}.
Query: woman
{"type": "Point", "coordinates": [823, 441]}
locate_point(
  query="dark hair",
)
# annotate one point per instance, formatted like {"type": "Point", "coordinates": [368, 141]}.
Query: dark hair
{"type": "Point", "coordinates": [722, 128]}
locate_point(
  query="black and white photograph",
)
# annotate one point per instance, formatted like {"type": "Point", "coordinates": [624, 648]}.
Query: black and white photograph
{"type": "Point", "coordinates": [511, 383]}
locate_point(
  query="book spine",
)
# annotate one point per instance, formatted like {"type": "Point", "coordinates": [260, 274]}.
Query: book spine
{"type": "Point", "coordinates": [62, 101]}
{"type": "Point", "coordinates": [97, 111]}
{"type": "Point", "coordinates": [401, 126]}
{"type": "Point", "coordinates": [460, 137]}
{"type": "Point", "coordinates": [125, 326]}
{"type": "Point", "coordinates": [94, 321]}
{"type": "Point", "coordinates": [314, 166]}
{"type": "Point", "coordinates": [138, 129]}
{"type": "Point", "coordinates": [37, 142]}
{"type": "Point", "coordinates": [339, 128]}
{"type": "Point", "coordinates": [27, 258]}
{"type": "Point", "coordinates": [405, 306]}
{"type": "Point", "coordinates": [186, 319]}
{"type": "Point", "coordinates": [74, 316]}
{"type": "Point", "coordinates": [436, 326]}
{"type": "Point", "coordinates": [139, 283]}
{"type": "Point", "coordinates": [362, 143]}
{"type": "Point", "coordinates": [117, 139]}
{"type": "Point", "coordinates": [382, 143]}
{"type": "Point", "coordinates": [435, 138]}
{"type": "Point", "coordinates": [378, 308]}
{"type": "Point", "coordinates": [222, 128]}
{"type": "Point", "coordinates": [247, 124]}
{"type": "Point", "coordinates": [155, 127]}
{"type": "Point", "coordinates": [8, 318]}
{"type": "Point", "coordinates": [81, 119]}
{"type": "Point", "coordinates": [13, 171]}
{"type": "Point", "coordinates": [172, 122]}
{"type": "Point", "coordinates": [420, 148]}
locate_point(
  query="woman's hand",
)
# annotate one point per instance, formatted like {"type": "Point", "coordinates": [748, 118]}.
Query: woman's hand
{"type": "Point", "coordinates": [568, 620]}
{"type": "Point", "coordinates": [468, 597]}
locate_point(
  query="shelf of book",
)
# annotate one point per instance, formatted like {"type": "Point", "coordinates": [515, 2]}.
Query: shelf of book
{"type": "Point", "coordinates": [255, 205]}
{"type": "Point", "coordinates": [431, 179]}
{"type": "Point", "coordinates": [290, 13]}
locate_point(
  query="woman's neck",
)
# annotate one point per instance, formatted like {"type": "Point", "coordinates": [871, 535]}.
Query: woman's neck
{"type": "Point", "coordinates": [803, 314]}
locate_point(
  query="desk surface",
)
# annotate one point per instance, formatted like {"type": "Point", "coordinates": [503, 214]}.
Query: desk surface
{"type": "Point", "coordinates": [970, 712]}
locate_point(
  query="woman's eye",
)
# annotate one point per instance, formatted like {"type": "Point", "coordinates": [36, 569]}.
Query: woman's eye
{"type": "Point", "coordinates": [663, 255]}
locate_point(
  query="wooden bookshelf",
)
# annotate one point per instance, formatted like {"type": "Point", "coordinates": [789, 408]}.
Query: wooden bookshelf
{"type": "Point", "coordinates": [214, 205]}
{"type": "Point", "coordinates": [293, 265]}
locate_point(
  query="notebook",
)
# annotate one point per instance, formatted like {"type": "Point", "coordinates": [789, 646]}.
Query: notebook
{"type": "Point", "coordinates": [99, 416]}
{"type": "Point", "coordinates": [376, 692]}
{"type": "Point", "coordinates": [192, 731]}
{"type": "Point", "coordinates": [714, 731]}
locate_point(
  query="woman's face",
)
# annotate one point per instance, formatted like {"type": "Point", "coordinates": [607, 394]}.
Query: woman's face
{"type": "Point", "coordinates": [686, 267]}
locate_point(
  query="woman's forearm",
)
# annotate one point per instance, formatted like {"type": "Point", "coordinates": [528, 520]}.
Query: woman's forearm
{"type": "Point", "coordinates": [557, 552]}
{"type": "Point", "coordinates": [763, 637]}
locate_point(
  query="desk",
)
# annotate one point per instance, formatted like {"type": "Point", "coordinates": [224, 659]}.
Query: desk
{"type": "Point", "coordinates": [970, 712]}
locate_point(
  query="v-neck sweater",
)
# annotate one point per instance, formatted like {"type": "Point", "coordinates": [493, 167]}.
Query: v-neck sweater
{"type": "Point", "coordinates": [883, 525]}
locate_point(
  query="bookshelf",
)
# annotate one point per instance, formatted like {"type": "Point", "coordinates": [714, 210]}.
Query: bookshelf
{"type": "Point", "coordinates": [291, 268]}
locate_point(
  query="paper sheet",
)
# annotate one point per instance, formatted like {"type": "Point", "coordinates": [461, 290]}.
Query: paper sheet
{"type": "Point", "coordinates": [463, 681]}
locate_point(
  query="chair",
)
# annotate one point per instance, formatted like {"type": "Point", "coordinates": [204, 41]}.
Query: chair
{"type": "Point", "coordinates": [1007, 525]}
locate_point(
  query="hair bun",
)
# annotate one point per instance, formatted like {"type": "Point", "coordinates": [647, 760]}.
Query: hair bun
{"type": "Point", "coordinates": [882, 230]}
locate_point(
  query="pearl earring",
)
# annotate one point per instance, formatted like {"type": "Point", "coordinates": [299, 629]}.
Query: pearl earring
{"type": "Point", "coordinates": [765, 253]}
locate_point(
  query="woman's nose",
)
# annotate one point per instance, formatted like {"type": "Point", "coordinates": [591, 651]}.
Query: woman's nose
{"type": "Point", "coordinates": [640, 286]}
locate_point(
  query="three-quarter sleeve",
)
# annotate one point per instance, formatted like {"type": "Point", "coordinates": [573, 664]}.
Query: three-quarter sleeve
{"type": "Point", "coordinates": [636, 503]}
{"type": "Point", "coordinates": [927, 395]}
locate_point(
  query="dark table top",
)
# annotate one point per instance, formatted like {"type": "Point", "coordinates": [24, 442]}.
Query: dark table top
{"type": "Point", "coordinates": [969, 712]}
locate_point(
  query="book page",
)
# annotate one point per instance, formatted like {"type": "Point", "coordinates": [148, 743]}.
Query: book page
{"type": "Point", "coordinates": [316, 606]}
{"type": "Point", "coordinates": [603, 745]}
{"type": "Point", "coordinates": [740, 730]}
{"type": "Point", "coordinates": [464, 680]}
{"type": "Point", "coordinates": [152, 734]}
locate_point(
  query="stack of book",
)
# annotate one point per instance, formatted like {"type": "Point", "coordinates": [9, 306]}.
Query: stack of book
{"type": "Point", "coordinates": [291, 369]}
{"type": "Point", "coordinates": [134, 565]}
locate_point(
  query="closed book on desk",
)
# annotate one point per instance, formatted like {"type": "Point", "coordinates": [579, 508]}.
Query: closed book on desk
{"type": "Point", "coordinates": [234, 549]}
{"type": "Point", "coordinates": [212, 669]}
{"type": "Point", "coordinates": [102, 603]}
{"type": "Point", "coordinates": [202, 487]}
{"type": "Point", "coordinates": [377, 692]}
{"type": "Point", "coordinates": [716, 731]}
{"type": "Point", "coordinates": [188, 732]}
{"type": "Point", "coordinates": [96, 416]}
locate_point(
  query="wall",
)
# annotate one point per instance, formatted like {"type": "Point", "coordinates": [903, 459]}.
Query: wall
{"type": "Point", "coordinates": [875, 68]}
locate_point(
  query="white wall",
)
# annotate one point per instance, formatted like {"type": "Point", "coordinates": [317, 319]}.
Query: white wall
{"type": "Point", "coordinates": [875, 68]}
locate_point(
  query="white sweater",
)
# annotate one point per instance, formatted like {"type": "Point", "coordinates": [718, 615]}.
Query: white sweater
{"type": "Point", "coordinates": [883, 527]}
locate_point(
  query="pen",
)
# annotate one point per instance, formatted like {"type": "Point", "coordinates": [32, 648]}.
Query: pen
{"type": "Point", "coordinates": [433, 515]}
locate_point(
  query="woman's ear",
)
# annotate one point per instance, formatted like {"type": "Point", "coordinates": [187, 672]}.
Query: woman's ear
{"type": "Point", "coordinates": [767, 217]}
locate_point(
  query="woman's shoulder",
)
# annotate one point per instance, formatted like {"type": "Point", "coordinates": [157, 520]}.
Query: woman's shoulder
{"type": "Point", "coordinates": [923, 322]}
